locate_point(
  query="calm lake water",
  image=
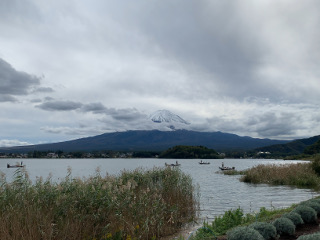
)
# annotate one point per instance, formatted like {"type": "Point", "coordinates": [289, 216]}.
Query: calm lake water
{"type": "Point", "coordinates": [218, 192]}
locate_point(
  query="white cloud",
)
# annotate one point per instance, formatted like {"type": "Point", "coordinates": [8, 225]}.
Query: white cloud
{"type": "Point", "coordinates": [10, 143]}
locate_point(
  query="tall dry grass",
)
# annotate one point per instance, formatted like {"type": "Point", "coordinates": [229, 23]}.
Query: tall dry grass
{"type": "Point", "coordinates": [300, 175]}
{"type": "Point", "coordinates": [134, 205]}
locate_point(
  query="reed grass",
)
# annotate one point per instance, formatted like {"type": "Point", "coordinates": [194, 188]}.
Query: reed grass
{"type": "Point", "coordinates": [299, 175]}
{"type": "Point", "coordinates": [134, 205]}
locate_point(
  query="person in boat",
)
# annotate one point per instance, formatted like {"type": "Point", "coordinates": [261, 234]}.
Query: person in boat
{"type": "Point", "coordinates": [201, 161]}
{"type": "Point", "coordinates": [222, 165]}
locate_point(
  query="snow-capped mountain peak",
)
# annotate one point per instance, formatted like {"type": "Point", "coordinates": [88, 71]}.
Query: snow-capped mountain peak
{"type": "Point", "coordinates": [166, 116]}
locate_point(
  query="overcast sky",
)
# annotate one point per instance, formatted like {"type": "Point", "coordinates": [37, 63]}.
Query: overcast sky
{"type": "Point", "coordinates": [71, 69]}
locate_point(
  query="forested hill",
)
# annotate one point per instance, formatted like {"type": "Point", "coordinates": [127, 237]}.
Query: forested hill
{"type": "Point", "coordinates": [152, 140]}
{"type": "Point", "coordinates": [313, 149]}
{"type": "Point", "coordinates": [185, 152]}
{"type": "Point", "coordinates": [292, 148]}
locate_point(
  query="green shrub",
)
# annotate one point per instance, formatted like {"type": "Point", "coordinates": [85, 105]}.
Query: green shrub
{"type": "Point", "coordinates": [230, 219]}
{"type": "Point", "coordinates": [244, 233]}
{"type": "Point", "coordinates": [313, 204]}
{"type": "Point", "coordinates": [294, 217]}
{"type": "Point", "coordinates": [267, 230]}
{"type": "Point", "coordinates": [307, 214]}
{"type": "Point", "coordinates": [314, 236]}
{"type": "Point", "coordinates": [317, 200]}
{"type": "Point", "coordinates": [284, 226]}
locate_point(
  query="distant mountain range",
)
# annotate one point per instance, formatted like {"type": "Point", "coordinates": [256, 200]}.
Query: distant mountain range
{"type": "Point", "coordinates": [151, 140]}
{"type": "Point", "coordinates": [307, 145]}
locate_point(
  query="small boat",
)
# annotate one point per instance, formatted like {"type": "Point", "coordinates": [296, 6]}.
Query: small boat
{"type": "Point", "coordinates": [223, 168]}
{"type": "Point", "coordinates": [227, 168]}
{"type": "Point", "coordinates": [201, 162]}
{"type": "Point", "coordinates": [16, 165]}
{"type": "Point", "coordinates": [172, 164]}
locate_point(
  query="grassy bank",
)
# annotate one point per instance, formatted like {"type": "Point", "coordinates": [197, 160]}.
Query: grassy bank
{"type": "Point", "coordinates": [304, 175]}
{"type": "Point", "coordinates": [299, 175]}
{"type": "Point", "coordinates": [134, 205]}
{"type": "Point", "coordinates": [233, 218]}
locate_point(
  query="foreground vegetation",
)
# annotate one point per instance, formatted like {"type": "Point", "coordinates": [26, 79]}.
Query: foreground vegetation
{"type": "Point", "coordinates": [134, 205]}
{"type": "Point", "coordinates": [280, 222]}
{"type": "Point", "coordinates": [264, 225]}
{"type": "Point", "coordinates": [234, 218]}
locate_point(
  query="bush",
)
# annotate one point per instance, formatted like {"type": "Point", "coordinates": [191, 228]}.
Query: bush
{"type": "Point", "coordinates": [244, 233]}
{"type": "Point", "coordinates": [294, 217]}
{"type": "Point", "coordinates": [307, 214]}
{"type": "Point", "coordinates": [313, 204]}
{"type": "Point", "coordinates": [267, 230]}
{"type": "Point", "coordinates": [317, 200]}
{"type": "Point", "coordinates": [284, 226]}
{"type": "Point", "coordinates": [314, 236]}
{"type": "Point", "coordinates": [315, 165]}
{"type": "Point", "coordinates": [230, 219]}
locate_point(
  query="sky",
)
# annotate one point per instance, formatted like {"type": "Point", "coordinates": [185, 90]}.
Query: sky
{"type": "Point", "coordinates": [72, 69]}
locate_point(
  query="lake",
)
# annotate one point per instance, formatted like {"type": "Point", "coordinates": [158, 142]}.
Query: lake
{"type": "Point", "coordinates": [218, 192]}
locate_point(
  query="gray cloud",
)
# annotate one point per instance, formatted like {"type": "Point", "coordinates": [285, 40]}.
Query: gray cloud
{"type": "Point", "coordinates": [13, 82]}
{"type": "Point", "coordinates": [7, 98]}
{"type": "Point", "coordinates": [36, 100]}
{"type": "Point", "coordinates": [239, 48]}
{"type": "Point", "coordinates": [75, 131]}
{"type": "Point", "coordinates": [271, 124]}
{"type": "Point", "coordinates": [94, 107]}
{"type": "Point", "coordinates": [129, 114]}
{"type": "Point", "coordinates": [44, 90]}
{"type": "Point", "coordinates": [59, 106]}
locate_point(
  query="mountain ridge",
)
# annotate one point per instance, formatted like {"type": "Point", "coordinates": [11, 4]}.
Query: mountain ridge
{"type": "Point", "coordinates": [145, 140]}
{"type": "Point", "coordinates": [295, 147]}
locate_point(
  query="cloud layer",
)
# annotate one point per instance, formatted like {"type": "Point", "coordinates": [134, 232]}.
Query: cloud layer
{"type": "Point", "coordinates": [78, 68]}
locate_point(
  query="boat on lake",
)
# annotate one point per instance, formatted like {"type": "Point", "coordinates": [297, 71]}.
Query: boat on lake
{"type": "Point", "coordinates": [223, 168]}
{"type": "Point", "coordinates": [18, 165]}
{"type": "Point", "coordinates": [227, 168]}
{"type": "Point", "coordinates": [201, 162]}
{"type": "Point", "coordinates": [172, 164]}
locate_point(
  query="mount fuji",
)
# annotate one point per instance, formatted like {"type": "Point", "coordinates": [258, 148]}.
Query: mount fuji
{"type": "Point", "coordinates": [168, 130]}
{"type": "Point", "coordinates": [166, 117]}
